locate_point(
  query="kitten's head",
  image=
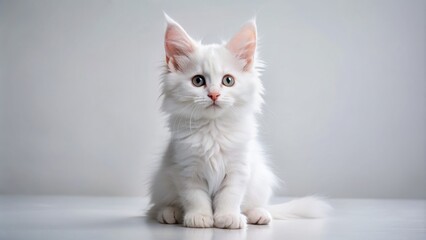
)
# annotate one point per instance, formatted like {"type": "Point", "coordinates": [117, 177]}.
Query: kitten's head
{"type": "Point", "coordinates": [209, 81]}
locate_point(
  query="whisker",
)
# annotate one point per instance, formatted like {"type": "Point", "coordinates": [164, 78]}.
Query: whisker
{"type": "Point", "coordinates": [269, 110]}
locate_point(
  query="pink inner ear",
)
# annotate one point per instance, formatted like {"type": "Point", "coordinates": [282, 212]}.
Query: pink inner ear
{"type": "Point", "coordinates": [243, 44]}
{"type": "Point", "coordinates": [177, 43]}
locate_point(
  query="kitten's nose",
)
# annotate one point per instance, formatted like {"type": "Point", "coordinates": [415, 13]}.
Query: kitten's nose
{"type": "Point", "coordinates": [213, 96]}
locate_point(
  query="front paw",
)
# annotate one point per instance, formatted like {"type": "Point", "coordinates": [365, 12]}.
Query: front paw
{"type": "Point", "coordinates": [230, 220]}
{"type": "Point", "coordinates": [198, 220]}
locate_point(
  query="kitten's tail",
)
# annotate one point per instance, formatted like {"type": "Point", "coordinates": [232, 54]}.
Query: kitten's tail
{"type": "Point", "coordinates": [307, 207]}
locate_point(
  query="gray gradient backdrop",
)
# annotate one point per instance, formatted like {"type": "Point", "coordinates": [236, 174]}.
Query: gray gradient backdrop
{"type": "Point", "coordinates": [345, 112]}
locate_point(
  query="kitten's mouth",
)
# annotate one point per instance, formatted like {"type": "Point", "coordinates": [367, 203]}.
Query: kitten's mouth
{"type": "Point", "coordinates": [213, 106]}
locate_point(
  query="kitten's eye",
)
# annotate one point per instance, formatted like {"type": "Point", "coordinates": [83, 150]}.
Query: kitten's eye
{"type": "Point", "coordinates": [228, 80]}
{"type": "Point", "coordinates": [198, 81]}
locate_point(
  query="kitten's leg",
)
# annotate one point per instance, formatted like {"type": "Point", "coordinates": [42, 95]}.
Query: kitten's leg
{"type": "Point", "coordinates": [255, 200]}
{"type": "Point", "coordinates": [259, 190]}
{"type": "Point", "coordinates": [164, 199]}
{"type": "Point", "coordinates": [196, 204]}
{"type": "Point", "coordinates": [227, 202]}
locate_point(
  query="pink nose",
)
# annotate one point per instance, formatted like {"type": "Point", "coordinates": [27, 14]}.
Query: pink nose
{"type": "Point", "coordinates": [214, 96]}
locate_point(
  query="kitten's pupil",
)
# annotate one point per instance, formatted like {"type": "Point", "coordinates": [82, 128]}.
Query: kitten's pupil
{"type": "Point", "coordinates": [228, 81]}
{"type": "Point", "coordinates": [198, 81]}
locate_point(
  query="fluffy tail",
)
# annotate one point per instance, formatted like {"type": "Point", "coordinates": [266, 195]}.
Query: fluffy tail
{"type": "Point", "coordinates": [307, 207]}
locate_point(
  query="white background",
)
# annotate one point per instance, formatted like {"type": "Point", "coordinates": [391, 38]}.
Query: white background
{"type": "Point", "coordinates": [345, 112]}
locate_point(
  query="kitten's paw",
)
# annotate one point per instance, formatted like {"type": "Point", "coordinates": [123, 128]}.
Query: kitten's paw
{"type": "Point", "coordinates": [258, 216]}
{"type": "Point", "coordinates": [169, 215]}
{"type": "Point", "coordinates": [198, 220]}
{"type": "Point", "coordinates": [230, 220]}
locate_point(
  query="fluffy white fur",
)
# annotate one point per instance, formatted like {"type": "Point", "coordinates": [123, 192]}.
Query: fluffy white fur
{"type": "Point", "coordinates": [214, 171]}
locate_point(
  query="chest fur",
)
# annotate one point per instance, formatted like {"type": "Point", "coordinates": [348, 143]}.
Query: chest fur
{"type": "Point", "coordinates": [211, 151]}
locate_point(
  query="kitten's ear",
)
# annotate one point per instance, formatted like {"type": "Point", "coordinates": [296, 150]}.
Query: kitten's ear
{"type": "Point", "coordinates": [177, 43]}
{"type": "Point", "coordinates": [243, 44]}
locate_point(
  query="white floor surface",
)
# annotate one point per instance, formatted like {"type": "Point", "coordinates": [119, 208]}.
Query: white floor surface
{"type": "Point", "coordinates": [55, 217]}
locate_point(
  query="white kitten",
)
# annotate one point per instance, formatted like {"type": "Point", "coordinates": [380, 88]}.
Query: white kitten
{"type": "Point", "coordinates": [214, 171]}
